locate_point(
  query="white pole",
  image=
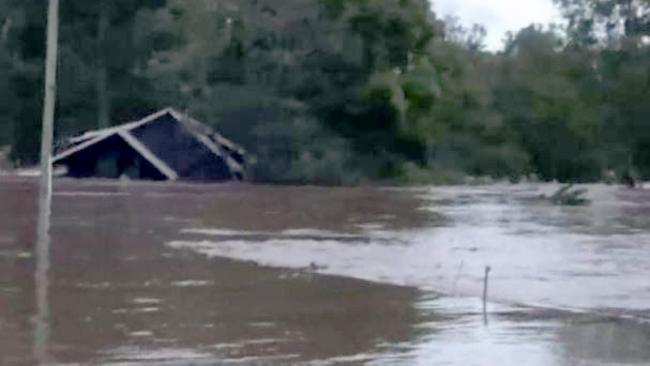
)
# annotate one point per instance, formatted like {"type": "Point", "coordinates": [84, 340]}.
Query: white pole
{"type": "Point", "coordinates": [42, 329]}
{"type": "Point", "coordinates": [50, 99]}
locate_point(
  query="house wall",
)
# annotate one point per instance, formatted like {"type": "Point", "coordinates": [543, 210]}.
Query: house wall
{"type": "Point", "coordinates": [110, 158]}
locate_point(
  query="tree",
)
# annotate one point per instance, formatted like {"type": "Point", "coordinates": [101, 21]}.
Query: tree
{"type": "Point", "coordinates": [100, 50]}
{"type": "Point", "coordinates": [621, 64]}
{"type": "Point", "coordinates": [546, 94]}
{"type": "Point", "coordinates": [591, 21]}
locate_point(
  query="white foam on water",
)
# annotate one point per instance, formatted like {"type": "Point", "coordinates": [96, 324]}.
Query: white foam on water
{"type": "Point", "coordinates": [90, 194]}
{"type": "Point", "coordinates": [538, 255]}
{"type": "Point", "coordinates": [258, 360]}
{"type": "Point", "coordinates": [145, 301]}
{"type": "Point", "coordinates": [290, 233]}
{"type": "Point", "coordinates": [141, 333]}
{"type": "Point", "coordinates": [191, 283]}
{"type": "Point", "coordinates": [127, 356]}
{"type": "Point", "coordinates": [220, 232]}
{"type": "Point", "coordinates": [15, 254]}
{"type": "Point", "coordinates": [150, 309]}
{"type": "Point", "coordinates": [356, 359]}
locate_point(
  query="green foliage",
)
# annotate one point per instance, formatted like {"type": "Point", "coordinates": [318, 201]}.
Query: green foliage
{"type": "Point", "coordinates": [541, 96]}
{"type": "Point", "coordinates": [614, 34]}
{"type": "Point", "coordinates": [346, 91]}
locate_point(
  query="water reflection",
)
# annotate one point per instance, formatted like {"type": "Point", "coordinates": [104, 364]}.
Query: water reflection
{"type": "Point", "coordinates": [456, 335]}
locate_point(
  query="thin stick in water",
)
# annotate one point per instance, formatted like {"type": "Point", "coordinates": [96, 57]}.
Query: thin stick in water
{"type": "Point", "coordinates": [485, 291]}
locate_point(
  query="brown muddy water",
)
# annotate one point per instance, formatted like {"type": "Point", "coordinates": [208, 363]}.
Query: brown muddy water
{"type": "Point", "coordinates": [174, 274]}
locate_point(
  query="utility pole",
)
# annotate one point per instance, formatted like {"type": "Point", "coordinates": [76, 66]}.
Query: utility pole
{"type": "Point", "coordinates": [50, 99]}
{"type": "Point", "coordinates": [42, 319]}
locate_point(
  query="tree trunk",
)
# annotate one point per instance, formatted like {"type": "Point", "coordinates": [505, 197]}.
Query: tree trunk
{"type": "Point", "coordinates": [103, 94]}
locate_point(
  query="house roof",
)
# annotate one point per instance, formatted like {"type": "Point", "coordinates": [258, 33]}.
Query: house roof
{"type": "Point", "coordinates": [212, 140]}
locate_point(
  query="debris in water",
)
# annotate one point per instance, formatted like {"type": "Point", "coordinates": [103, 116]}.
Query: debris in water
{"type": "Point", "coordinates": [567, 197]}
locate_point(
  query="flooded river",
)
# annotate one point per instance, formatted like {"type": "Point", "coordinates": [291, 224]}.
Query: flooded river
{"type": "Point", "coordinates": [177, 274]}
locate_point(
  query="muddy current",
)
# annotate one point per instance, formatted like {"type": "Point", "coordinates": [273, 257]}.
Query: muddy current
{"type": "Point", "coordinates": [185, 274]}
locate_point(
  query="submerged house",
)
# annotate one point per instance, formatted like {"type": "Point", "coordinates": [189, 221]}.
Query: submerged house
{"type": "Point", "coordinates": [166, 145]}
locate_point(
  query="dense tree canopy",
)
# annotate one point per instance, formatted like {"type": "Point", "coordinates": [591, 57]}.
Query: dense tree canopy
{"type": "Point", "coordinates": [342, 91]}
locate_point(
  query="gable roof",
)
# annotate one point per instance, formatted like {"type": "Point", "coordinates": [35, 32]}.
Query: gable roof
{"type": "Point", "coordinates": [212, 140]}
